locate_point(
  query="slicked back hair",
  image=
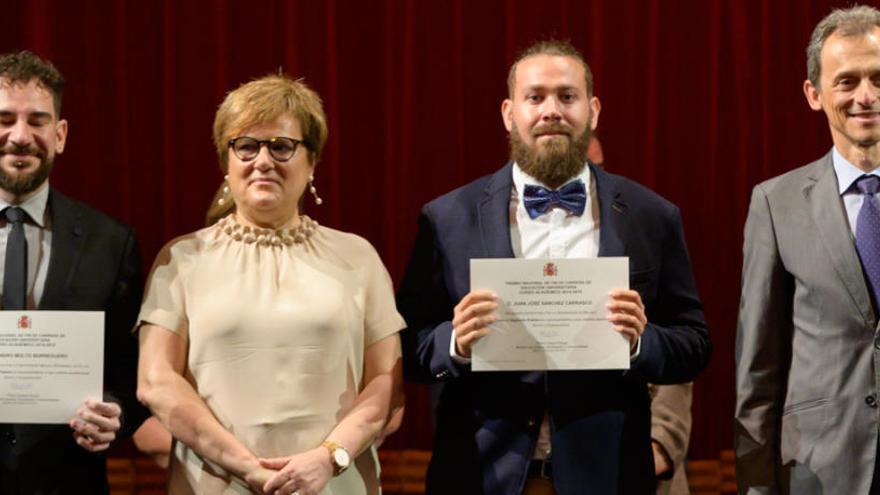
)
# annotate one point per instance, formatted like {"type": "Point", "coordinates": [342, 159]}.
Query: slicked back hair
{"type": "Point", "coordinates": [552, 48]}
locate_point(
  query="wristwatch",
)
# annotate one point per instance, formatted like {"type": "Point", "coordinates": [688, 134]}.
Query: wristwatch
{"type": "Point", "coordinates": [339, 457]}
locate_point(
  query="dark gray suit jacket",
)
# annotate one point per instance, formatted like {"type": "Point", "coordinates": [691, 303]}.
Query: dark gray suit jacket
{"type": "Point", "coordinates": [95, 265]}
{"type": "Point", "coordinates": [806, 350]}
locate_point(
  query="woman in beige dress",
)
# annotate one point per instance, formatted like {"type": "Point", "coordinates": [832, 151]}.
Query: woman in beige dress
{"type": "Point", "coordinates": [269, 344]}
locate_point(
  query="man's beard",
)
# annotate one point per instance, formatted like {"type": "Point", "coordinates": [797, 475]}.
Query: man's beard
{"type": "Point", "coordinates": [559, 159]}
{"type": "Point", "coordinates": [26, 183]}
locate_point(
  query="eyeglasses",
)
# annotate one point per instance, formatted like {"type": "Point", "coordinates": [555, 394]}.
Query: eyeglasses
{"type": "Point", "coordinates": [247, 148]}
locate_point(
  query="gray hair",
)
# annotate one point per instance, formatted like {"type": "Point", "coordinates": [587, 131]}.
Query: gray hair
{"type": "Point", "coordinates": [855, 21]}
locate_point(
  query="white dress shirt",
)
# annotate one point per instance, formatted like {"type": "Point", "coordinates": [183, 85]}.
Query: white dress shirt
{"type": "Point", "coordinates": [557, 233]}
{"type": "Point", "coordinates": [38, 234]}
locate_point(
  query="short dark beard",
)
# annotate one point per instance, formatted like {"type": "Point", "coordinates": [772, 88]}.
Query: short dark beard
{"type": "Point", "coordinates": [25, 184]}
{"type": "Point", "coordinates": [558, 163]}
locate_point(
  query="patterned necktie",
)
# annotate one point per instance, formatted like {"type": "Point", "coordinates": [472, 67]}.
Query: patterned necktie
{"type": "Point", "coordinates": [868, 234]}
{"type": "Point", "coordinates": [15, 267]}
{"type": "Point", "coordinates": [572, 197]}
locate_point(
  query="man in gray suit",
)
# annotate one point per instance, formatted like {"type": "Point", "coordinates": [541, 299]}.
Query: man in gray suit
{"type": "Point", "coordinates": [807, 350]}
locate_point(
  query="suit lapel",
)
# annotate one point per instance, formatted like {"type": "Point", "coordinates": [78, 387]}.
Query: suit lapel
{"type": "Point", "coordinates": [494, 218]}
{"type": "Point", "coordinates": [67, 242]}
{"type": "Point", "coordinates": [822, 194]}
{"type": "Point", "coordinates": [494, 215]}
{"type": "Point", "coordinates": [612, 214]}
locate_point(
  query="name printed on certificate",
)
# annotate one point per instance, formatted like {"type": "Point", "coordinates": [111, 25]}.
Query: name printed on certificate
{"type": "Point", "coordinates": [50, 362]}
{"type": "Point", "coordinates": [551, 314]}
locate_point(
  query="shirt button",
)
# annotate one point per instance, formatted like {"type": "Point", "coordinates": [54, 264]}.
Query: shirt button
{"type": "Point", "coordinates": [871, 401]}
{"type": "Point", "coordinates": [11, 437]}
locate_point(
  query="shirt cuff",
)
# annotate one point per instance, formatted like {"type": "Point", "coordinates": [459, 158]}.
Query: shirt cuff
{"type": "Point", "coordinates": [454, 355]}
{"type": "Point", "coordinates": [635, 354]}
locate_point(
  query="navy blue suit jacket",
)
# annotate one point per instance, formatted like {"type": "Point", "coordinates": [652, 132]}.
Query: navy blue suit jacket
{"type": "Point", "coordinates": [488, 423]}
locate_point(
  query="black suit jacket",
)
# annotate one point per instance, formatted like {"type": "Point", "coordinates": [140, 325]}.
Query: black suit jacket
{"type": "Point", "coordinates": [488, 423]}
{"type": "Point", "coordinates": [95, 265]}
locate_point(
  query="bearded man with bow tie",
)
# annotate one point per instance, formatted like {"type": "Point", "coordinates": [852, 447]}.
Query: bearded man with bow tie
{"type": "Point", "coordinates": [565, 432]}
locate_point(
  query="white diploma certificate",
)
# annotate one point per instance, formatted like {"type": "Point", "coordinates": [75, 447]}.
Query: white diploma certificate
{"type": "Point", "coordinates": [50, 362]}
{"type": "Point", "coordinates": [551, 314]}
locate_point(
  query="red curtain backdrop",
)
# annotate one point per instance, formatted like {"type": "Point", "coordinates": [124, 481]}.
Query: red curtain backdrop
{"type": "Point", "coordinates": [701, 100]}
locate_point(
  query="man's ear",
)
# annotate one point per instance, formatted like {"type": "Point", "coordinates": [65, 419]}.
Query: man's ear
{"type": "Point", "coordinates": [507, 113]}
{"type": "Point", "coordinates": [595, 109]}
{"type": "Point", "coordinates": [60, 136]}
{"type": "Point", "coordinates": [813, 96]}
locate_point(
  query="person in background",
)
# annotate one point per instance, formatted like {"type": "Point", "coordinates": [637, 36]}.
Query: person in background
{"type": "Point", "coordinates": [670, 435]}
{"type": "Point", "coordinates": [154, 440]}
{"type": "Point", "coordinates": [670, 408]}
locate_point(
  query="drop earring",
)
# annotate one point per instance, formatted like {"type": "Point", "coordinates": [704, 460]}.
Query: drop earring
{"type": "Point", "coordinates": [314, 190]}
{"type": "Point", "coordinates": [225, 192]}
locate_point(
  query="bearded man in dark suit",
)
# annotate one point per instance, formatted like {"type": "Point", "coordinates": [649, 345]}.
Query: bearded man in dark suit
{"type": "Point", "coordinates": [59, 254]}
{"type": "Point", "coordinates": [568, 432]}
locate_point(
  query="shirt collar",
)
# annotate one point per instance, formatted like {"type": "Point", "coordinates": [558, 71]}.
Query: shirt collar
{"type": "Point", "coordinates": [35, 206]}
{"type": "Point", "coordinates": [521, 179]}
{"type": "Point", "coordinates": [847, 173]}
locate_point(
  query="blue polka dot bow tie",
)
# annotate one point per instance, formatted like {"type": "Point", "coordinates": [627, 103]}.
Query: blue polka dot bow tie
{"type": "Point", "coordinates": [571, 197]}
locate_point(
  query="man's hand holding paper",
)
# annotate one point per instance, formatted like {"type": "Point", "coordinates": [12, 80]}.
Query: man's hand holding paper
{"type": "Point", "coordinates": [473, 315]}
{"type": "Point", "coordinates": [95, 424]}
{"type": "Point", "coordinates": [627, 312]}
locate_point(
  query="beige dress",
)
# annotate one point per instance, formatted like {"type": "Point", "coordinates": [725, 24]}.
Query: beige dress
{"type": "Point", "coordinates": [276, 324]}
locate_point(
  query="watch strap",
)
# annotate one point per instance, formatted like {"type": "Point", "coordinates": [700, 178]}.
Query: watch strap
{"type": "Point", "coordinates": [332, 447]}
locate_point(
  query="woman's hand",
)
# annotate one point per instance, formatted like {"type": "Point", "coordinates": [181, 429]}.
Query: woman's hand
{"type": "Point", "coordinates": [304, 474]}
{"type": "Point", "coordinates": [258, 476]}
